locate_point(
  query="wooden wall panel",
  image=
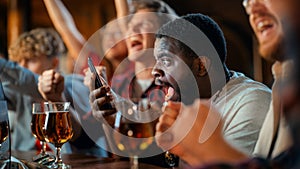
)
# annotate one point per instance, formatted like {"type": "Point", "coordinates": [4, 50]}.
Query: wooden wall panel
{"type": "Point", "coordinates": [3, 28]}
{"type": "Point", "coordinates": [88, 16]}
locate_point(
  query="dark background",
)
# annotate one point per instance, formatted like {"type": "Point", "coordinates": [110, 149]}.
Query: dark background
{"type": "Point", "coordinates": [17, 16]}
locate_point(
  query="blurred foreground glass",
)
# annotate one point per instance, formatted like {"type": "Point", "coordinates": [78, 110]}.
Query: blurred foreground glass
{"type": "Point", "coordinates": [58, 128]}
{"type": "Point", "coordinates": [4, 136]}
{"type": "Point", "coordinates": [134, 130]}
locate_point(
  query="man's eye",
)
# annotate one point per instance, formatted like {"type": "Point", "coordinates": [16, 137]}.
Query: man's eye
{"type": "Point", "coordinates": [166, 62]}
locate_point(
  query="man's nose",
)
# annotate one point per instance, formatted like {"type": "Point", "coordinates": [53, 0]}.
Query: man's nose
{"type": "Point", "coordinates": [156, 72]}
{"type": "Point", "coordinates": [251, 5]}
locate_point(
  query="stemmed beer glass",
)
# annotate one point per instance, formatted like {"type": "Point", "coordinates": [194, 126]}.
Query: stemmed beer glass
{"type": "Point", "coordinates": [58, 128]}
{"type": "Point", "coordinates": [37, 125]}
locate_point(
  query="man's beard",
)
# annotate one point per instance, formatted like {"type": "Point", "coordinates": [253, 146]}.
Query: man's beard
{"type": "Point", "coordinates": [274, 52]}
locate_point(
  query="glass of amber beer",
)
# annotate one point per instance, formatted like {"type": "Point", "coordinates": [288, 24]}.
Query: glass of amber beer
{"type": "Point", "coordinates": [37, 125]}
{"type": "Point", "coordinates": [58, 128]}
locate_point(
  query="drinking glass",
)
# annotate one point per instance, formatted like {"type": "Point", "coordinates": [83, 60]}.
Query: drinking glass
{"type": "Point", "coordinates": [3, 130]}
{"type": "Point", "coordinates": [58, 128]}
{"type": "Point", "coordinates": [37, 124]}
{"type": "Point", "coordinates": [4, 126]}
{"type": "Point", "coordinates": [135, 129]}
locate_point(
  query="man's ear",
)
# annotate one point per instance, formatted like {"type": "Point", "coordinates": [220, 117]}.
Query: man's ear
{"type": "Point", "coordinates": [202, 65]}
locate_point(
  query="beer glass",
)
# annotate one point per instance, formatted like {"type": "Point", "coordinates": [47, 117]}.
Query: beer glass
{"type": "Point", "coordinates": [58, 128]}
{"type": "Point", "coordinates": [37, 125]}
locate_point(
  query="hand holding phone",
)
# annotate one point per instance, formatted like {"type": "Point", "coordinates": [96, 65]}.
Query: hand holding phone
{"type": "Point", "coordinates": [98, 82]}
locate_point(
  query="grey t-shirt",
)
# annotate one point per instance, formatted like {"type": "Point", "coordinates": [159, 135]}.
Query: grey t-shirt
{"type": "Point", "coordinates": [243, 104]}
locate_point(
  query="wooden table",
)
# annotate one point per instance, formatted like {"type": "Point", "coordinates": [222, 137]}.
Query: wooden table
{"type": "Point", "coordinates": [79, 161]}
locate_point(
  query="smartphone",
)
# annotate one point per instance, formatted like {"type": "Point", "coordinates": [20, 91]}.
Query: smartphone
{"type": "Point", "coordinates": [98, 82]}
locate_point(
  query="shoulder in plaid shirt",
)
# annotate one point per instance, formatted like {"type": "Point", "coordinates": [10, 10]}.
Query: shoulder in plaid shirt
{"type": "Point", "coordinates": [123, 86]}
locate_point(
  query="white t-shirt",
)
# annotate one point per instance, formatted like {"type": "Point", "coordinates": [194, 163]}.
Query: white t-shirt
{"type": "Point", "coordinates": [243, 104]}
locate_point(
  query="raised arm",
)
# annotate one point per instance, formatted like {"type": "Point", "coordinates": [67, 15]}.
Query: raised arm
{"type": "Point", "coordinates": [122, 9]}
{"type": "Point", "coordinates": [65, 25]}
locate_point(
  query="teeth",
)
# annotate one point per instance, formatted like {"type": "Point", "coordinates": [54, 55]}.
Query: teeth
{"type": "Point", "coordinates": [134, 41]}
{"type": "Point", "coordinates": [261, 25]}
{"type": "Point", "coordinates": [134, 38]}
{"type": "Point", "coordinates": [169, 94]}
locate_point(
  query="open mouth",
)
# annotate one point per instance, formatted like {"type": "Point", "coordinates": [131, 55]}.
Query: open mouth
{"type": "Point", "coordinates": [264, 26]}
{"type": "Point", "coordinates": [136, 44]}
{"type": "Point", "coordinates": [169, 93]}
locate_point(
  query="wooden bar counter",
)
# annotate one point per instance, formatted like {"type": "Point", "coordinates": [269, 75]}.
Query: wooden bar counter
{"type": "Point", "coordinates": [80, 161]}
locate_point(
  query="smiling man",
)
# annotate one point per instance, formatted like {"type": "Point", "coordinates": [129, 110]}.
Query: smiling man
{"type": "Point", "coordinates": [190, 55]}
{"type": "Point", "coordinates": [267, 29]}
{"type": "Point", "coordinates": [274, 137]}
